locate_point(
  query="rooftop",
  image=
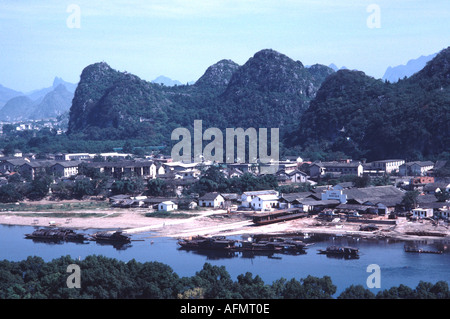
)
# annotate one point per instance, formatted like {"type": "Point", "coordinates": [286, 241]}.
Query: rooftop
{"type": "Point", "coordinates": [210, 196]}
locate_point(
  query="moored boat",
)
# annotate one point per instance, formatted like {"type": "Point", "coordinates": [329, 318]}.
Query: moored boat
{"type": "Point", "coordinates": [260, 246]}
{"type": "Point", "coordinates": [340, 251]}
{"type": "Point", "coordinates": [415, 249]}
{"type": "Point", "coordinates": [213, 243]}
{"type": "Point", "coordinates": [113, 237]}
{"type": "Point", "coordinates": [58, 234]}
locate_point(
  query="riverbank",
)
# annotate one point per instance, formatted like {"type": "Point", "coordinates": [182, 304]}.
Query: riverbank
{"type": "Point", "coordinates": [214, 222]}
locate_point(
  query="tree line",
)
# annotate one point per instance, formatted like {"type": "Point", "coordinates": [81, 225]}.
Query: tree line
{"type": "Point", "coordinates": [108, 278]}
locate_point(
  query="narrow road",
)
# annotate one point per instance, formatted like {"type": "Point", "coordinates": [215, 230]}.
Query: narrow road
{"type": "Point", "coordinates": [167, 223]}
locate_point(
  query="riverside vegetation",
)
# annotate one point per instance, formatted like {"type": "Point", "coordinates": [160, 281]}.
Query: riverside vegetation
{"type": "Point", "coordinates": [108, 278]}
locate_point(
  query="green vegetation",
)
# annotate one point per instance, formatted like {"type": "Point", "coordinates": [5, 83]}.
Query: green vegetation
{"type": "Point", "coordinates": [409, 200]}
{"type": "Point", "coordinates": [108, 278]}
{"type": "Point", "coordinates": [367, 118]}
{"type": "Point", "coordinates": [213, 180]}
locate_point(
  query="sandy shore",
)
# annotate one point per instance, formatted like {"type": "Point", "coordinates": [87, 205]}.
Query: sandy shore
{"type": "Point", "coordinates": [209, 223]}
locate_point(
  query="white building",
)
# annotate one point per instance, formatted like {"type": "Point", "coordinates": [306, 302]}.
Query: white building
{"type": "Point", "coordinates": [422, 212]}
{"type": "Point", "coordinates": [65, 169]}
{"type": "Point", "coordinates": [265, 202]}
{"type": "Point", "coordinates": [167, 206]}
{"type": "Point", "coordinates": [415, 168]}
{"type": "Point", "coordinates": [336, 194]}
{"type": "Point", "coordinates": [388, 166]}
{"type": "Point", "coordinates": [247, 197]}
{"type": "Point", "coordinates": [214, 200]}
{"type": "Point", "coordinates": [342, 168]}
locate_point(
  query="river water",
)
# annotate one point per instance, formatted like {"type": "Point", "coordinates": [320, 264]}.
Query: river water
{"type": "Point", "coordinates": [396, 266]}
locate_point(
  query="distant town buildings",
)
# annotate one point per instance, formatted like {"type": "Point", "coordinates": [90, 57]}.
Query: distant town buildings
{"type": "Point", "coordinates": [342, 197]}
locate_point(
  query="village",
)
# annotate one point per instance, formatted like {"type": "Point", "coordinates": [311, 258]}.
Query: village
{"type": "Point", "coordinates": [323, 204]}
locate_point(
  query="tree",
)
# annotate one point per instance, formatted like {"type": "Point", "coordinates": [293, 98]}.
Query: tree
{"type": "Point", "coordinates": [382, 181]}
{"type": "Point", "coordinates": [39, 187]}
{"type": "Point", "coordinates": [128, 186]}
{"type": "Point", "coordinates": [9, 193]}
{"type": "Point", "coordinates": [318, 288]}
{"type": "Point", "coordinates": [249, 287]}
{"type": "Point", "coordinates": [156, 187]}
{"type": "Point", "coordinates": [400, 292]}
{"type": "Point", "coordinates": [9, 149]}
{"type": "Point", "coordinates": [409, 200]}
{"type": "Point", "coordinates": [442, 196]}
{"type": "Point", "coordinates": [362, 181]}
{"type": "Point", "coordinates": [127, 147]}
{"type": "Point", "coordinates": [215, 280]}
{"type": "Point", "coordinates": [356, 292]}
{"type": "Point", "coordinates": [82, 188]}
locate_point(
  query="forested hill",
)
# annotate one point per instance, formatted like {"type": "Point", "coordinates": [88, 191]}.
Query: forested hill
{"type": "Point", "coordinates": [368, 118]}
{"type": "Point", "coordinates": [269, 90]}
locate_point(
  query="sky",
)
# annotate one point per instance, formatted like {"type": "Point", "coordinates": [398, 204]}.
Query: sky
{"type": "Point", "coordinates": [180, 39]}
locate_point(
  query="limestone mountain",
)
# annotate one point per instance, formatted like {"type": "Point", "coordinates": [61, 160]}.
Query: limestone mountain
{"type": "Point", "coordinates": [270, 90]}
{"type": "Point", "coordinates": [364, 117]}
{"type": "Point", "coordinates": [218, 75]}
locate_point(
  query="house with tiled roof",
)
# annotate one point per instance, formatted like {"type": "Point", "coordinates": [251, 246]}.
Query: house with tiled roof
{"type": "Point", "coordinates": [318, 169]}
{"type": "Point", "coordinates": [213, 199]}
{"type": "Point", "coordinates": [418, 168]}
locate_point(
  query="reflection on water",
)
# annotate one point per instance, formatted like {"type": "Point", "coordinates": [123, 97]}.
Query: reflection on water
{"type": "Point", "coordinates": [115, 245]}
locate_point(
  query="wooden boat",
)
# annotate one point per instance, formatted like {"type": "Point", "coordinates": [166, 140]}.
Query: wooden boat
{"type": "Point", "coordinates": [415, 249]}
{"type": "Point", "coordinates": [213, 243]}
{"type": "Point", "coordinates": [112, 237]}
{"type": "Point", "coordinates": [260, 246]}
{"type": "Point", "coordinates": [278, 216]}
{"type": "Point", "coordinates": [286, 244]}
{"type": "Point", "coordinates": [340, 251]}
{"type": "Point", "coordinates": [61, 234]}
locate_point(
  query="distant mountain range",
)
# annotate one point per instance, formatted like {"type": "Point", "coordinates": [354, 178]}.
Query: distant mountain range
{"type": "Point", "coordinates": [164, 80]}
{"type": "Point", "coordinates": [6, 94]}
{"type": "Point", "coordinates": [335, 68]}
{"type": "Point", "coordinates": [39, 104]}
{"type": "Point", "coordinates": [393, 74]}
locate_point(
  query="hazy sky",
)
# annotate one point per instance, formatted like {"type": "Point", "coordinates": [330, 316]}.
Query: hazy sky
{"type": "Point", "coordinates": [181, 38]}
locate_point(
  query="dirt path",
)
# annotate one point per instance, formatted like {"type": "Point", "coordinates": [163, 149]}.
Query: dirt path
{"type": "Point", "coordinates": [209, 223]}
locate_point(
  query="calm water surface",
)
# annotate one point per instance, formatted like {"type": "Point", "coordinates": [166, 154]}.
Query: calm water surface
{"type": "Point", "coordinates": [397, 267]}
